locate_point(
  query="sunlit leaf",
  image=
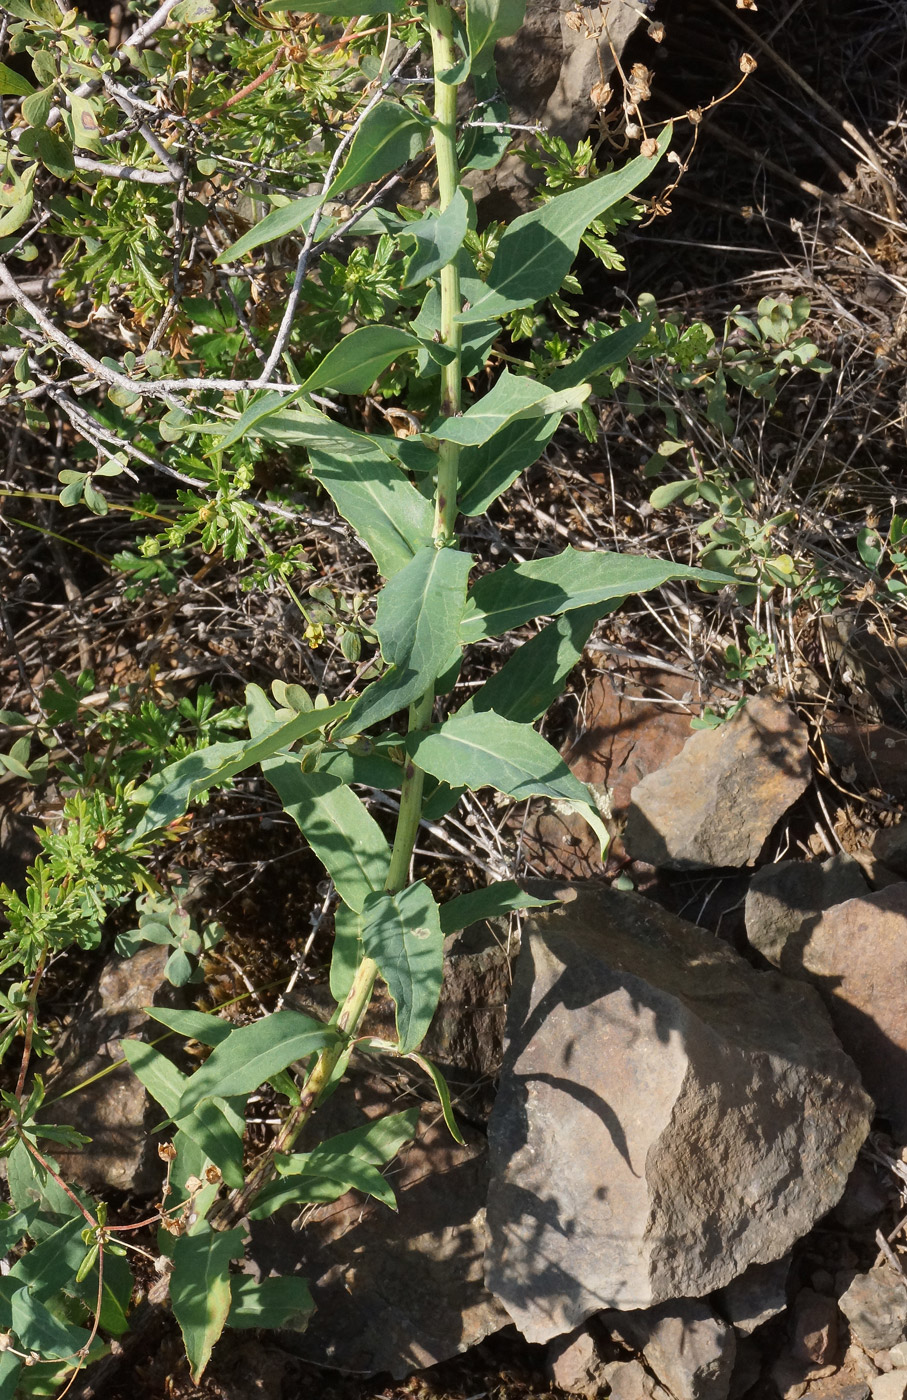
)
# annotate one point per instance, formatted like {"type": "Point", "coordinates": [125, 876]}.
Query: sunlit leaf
{"type": "Point", "coordinates": [200, 1292]}
{"type": "Point", "coordinates": [402, 933]}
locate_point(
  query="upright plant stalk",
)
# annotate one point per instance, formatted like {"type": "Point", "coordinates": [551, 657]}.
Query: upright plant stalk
{"type": "Point", "coordinates": [352, 1012]}
{"type": "Point", "coordinates": [440, 22]}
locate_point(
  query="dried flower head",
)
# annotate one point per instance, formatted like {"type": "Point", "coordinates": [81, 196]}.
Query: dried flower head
{"type": "Point", "coordinates": [694, 116]}
{"type": "Point", "coordinates": [212, 1175]}
{"type": "Point", "coordinates": [633, 131]}
{"type": "Point", "coordinates": [167, 1152]}
{"type": "Point", "coordinates": [6, 1341]}
{"type": "Point", "coordinates": [747, 5]}
{"type": "Point", "coordinates": [639, 85]}
{"type": "Point", "coordinates": [600, 94]}
{"type": "Point", "coordinates": [194, 1184]}
{"type": "Point", "coordinates": [747, 63]}
{"type": "Point", "coordinates": [656, 31]}
{"type": "Point", "coordinates": [575, 20]}
{"type": "Point", "coordinates": [649, 148]}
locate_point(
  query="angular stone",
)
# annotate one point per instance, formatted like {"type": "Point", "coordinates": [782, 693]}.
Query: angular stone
{"type": "Point", "coordinates": [547, 70]}
{"type": "Point", "coordinates": [576, 1363]}
{"type": "Point", "coordinates": [783, 899]}
{"type": "Point", "coordinates": [815, 1330]}
{"type": "Point", "coordinates": [629, 1380]}
{"type": "Point", "coordinates": [792, 1377]}
{"type": "Point", "coordinates": [650, 1139]}
{"type": "Point", "coordinates": [875, 1305]}
{"type": "Point", "coordinates": [690, 1350]}
{"type": "Point", "coordinates": [892, 1386]}
{"type": "Point", "coordinates": [754, 1296]}
{"type": "Point", "coordinates": [394, 1291]}
{"type": "Point", "coordinates": [890, 847]}
{"type": "Point", "coordinates": [634, 720]}
{"type": "Point", "coordinates": [718, 800]}
{"type": "Point", "coordinates": [113, 1110]}
{"type": "Point", "coordinates": [856, 954]}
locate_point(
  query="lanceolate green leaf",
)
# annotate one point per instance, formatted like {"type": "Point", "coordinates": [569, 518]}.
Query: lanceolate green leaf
{"type": "Point", "coordinates": [486, 22]}
{"type": "Point", "coordinates": [280, 223]}
{"type": "Point", "coordinates": [349, 843]}
{"type": "Point", "coordinates": [439, 238]}
{"type": "Point", "coordinates": [538, 248]}
{"type": "Point", "coordinates": [574, 579]}
{"type": "Point", "coordinates": [194, 1025]}
{"type": "Point", "coordinates": [488, 470]}
{"type": "Point", "coordinates": [489, 903]}
{"type": "Point", "coordinates": [228, 433]}
{"type": "Point", "coordinates": [353, 365]}
{"type": "Point", "coordinates": [533, 677]}
{"type": "Point", "coordinates": [200, 1289]}
{"type": "Point", "coordinates": [600, 355]}
{"type": "Point", "coordinates": [418, 621]}
{"type": "Point", "coordinates": [402, 933]}
{"type": "Point", "coordinates": [486, 750]}
{"type": "Point", "coordinates": [383, 507]}
{"type": "Point", "coordinates": [310, 1187]}
{"type": "Point", "coordinates": [389, 137]}
{"type": "Point", "coordinates": [512, 397]}
{"type": "Point", "coordinates": [347, 952]}
{"type": "Point", "coordinates": [304, 426]}
{"type": "Point", "coordinates": [159, 1075]}
{"type": "Point", "coordinates": [35, 1326]}
{"type": "Point", "coordinates": [169, 793]}
{"type": "Point", "coordinates": [252, 1054]}
{"type": "Point", "coordinates": [284, 1301]}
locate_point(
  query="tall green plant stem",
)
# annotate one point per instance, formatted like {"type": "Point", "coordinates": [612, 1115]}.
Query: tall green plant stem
{"type": "Point", "coordinates": [351, 1014]}
{"type": "Point", "coordinates": [440, 22]}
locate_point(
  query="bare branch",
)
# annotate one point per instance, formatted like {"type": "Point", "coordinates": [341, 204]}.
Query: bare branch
{"type": "Point", "coordinates": [286, 324]}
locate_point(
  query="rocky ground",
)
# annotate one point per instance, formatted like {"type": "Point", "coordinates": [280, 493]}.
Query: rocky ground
{"type": "Point", "coordinates": [682, 1093]}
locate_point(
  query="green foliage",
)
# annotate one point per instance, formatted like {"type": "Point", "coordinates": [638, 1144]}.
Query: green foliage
{"type": "Point", "coordinates": [321, 314]}
{"type": "Point", "coordinates": [737, 536]}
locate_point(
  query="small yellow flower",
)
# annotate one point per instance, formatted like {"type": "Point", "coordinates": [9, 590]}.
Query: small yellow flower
{"type": "Point", "coordinates": [314, 635]}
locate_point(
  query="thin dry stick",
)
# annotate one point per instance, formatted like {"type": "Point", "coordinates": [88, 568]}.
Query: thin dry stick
{"type": "Point", "coordinates": [286, 324]}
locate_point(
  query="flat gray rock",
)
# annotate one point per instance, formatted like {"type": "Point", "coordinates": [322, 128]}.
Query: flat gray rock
{"type": "Point", "coordinates": [718, 800]}
{"type": "Point", "coordinates": [666, 1115]}
{"type": "Point", "coordinates": [785, 898]}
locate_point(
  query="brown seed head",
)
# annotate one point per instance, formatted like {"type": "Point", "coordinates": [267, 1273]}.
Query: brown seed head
{"type": "Point", "coordinates": [747, 63]}
{"type": "Point", "coordinates": [656, 31]}
{"type": "Point", "coordinates": [694, 116]}
{"type": "Point", "coordinates": [639, 86]}
{"type": "Point", "coordinates": [574, 20]}
{"type": "Point", "coordinates": [601, 95]}
{"type": "Point", "coordinates": [649, 148]}
{"type": "Point", "coordinates": [167, 1152]}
